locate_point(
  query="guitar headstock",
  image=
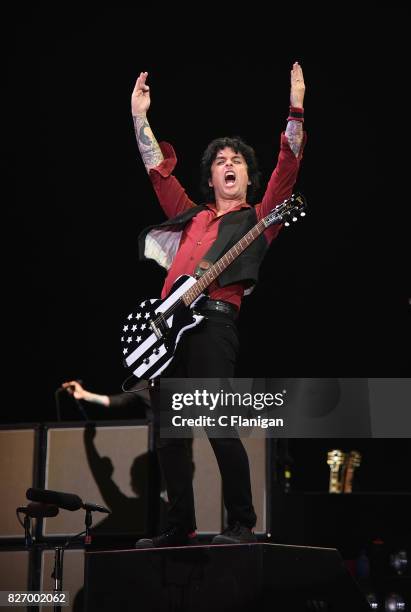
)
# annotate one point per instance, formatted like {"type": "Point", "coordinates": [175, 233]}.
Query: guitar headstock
{"type": "Point", "coordinates": [354, 459]}
{"type": "Point", "coordinates": [289, 210]}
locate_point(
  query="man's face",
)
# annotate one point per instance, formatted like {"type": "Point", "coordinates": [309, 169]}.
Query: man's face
{"type": "Point", "coordinates": [229, 175]}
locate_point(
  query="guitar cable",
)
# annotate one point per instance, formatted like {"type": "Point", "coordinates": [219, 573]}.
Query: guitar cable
{"type": "Point", "coordinates": [151, 384]}
{"type": "Point", "coordinates": [57, 395]}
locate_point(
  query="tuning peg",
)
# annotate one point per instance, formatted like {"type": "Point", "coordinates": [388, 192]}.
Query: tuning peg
{"type": "Point", "coordinates": [287, 224]}
{"type": "Point", "coordinates": [302, 214]}
{"type": "Point", "coordinates": [295, 219]}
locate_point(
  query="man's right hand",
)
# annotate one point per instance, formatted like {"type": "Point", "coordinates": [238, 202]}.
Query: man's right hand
{"type": "Point", "coordinates": [74, 388]}
{"type": "Point", "coordinates": [140, 99]}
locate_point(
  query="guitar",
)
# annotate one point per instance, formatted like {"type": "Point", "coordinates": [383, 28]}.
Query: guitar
{"type": "Point", "coordinates": [151, 332]}
{"type": "Point", "coordinates": [336, 459]}
{"type": "Point", "coordinates": [352, 462]}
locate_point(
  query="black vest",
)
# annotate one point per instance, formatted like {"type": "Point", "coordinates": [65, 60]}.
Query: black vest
{"type": "Point", "coordinates": [160, 242]}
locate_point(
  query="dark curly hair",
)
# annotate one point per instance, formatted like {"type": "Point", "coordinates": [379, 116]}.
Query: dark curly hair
{"type": "Point", "coordinates": [238, 146]}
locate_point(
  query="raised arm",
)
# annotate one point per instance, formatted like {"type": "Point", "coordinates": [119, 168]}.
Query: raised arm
{"type": "Point", "coordinates": [294, 130]}
{"type": "Point", "coordinates": [284, 176]}
{"type": "Point", "coordinates": [147, 144]}
{"type": "Point", "coordinates": [170, 193]}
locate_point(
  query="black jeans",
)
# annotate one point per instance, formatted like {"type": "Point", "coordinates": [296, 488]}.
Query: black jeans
{"type": "Point", "coordinates": [208, 351]}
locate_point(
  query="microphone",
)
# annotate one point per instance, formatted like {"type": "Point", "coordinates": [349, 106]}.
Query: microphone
{"type": "Point", "coordinates": [71, 388]}
{"type": "Point", "coordinates": [39, 510]}
{"type": "Point", "coordinates": [70, 391]}
{"type": "Point", "coordinates": [96, 508]}
{"type": "Point", "coordinates": [67, 501]}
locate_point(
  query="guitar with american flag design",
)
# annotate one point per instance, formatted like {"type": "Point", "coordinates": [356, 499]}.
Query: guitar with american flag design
{"type": "Point", "coordinates": [151, 332]}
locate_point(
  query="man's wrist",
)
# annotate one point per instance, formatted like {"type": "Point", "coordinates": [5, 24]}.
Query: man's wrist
{"type": "Point", "coordinates": [296, 113]}
{"type": "Point", "coordinates": [96, 398]}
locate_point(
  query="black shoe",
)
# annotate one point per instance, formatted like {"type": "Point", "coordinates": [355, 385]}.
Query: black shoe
{"type": "Point", "coordinates": [235, 534]}
{"type": "Point", "coordinates": [174, 536]}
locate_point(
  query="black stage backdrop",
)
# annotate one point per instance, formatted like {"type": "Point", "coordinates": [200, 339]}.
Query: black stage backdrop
{"type": "Point", "coordinates": [333, 295]}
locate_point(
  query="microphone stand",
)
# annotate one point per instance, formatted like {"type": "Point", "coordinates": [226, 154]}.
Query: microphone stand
{"type": "Point", "coordinates": [88, 521]}
{"type": "Point", "coordinates": [58, 573]}
{"type": "Point", "coordinates": [28, 540]}
{"type": "Point", "coordinates": [58, 557]}
{"type": "Point", "coordinates": [26, 524]}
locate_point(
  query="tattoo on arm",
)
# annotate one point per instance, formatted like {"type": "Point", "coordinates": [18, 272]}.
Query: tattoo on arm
{"type": "Point", "coordinates": [294, 133]}
{"type": "Point", "coordinates": [147, 144]}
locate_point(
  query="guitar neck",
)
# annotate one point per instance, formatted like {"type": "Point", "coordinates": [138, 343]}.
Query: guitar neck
{"type": "Point", "coordinates": [212, 273]}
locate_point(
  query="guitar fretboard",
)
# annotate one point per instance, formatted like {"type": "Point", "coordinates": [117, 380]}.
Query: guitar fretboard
{"type": "Point", "coordinates": [212, 273]}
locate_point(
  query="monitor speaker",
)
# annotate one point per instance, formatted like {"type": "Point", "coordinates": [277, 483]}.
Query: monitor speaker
{"type": "Point", "coordinates": [263, 577]}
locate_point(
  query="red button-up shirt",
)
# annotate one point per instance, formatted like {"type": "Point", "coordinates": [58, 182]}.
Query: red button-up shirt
{"type": "Point", "coordinates": [201, 231]}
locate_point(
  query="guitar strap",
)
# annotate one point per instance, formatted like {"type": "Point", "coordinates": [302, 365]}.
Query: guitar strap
{"type": "Point", "coordinates": [230, 232]}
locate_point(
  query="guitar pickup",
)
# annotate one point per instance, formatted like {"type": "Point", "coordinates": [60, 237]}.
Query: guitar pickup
{"type": "Point", "coordinates": [159, 327]}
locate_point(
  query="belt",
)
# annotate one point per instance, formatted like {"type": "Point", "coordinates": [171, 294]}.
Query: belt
{"type": "Point", "coordinates": [218, 306]}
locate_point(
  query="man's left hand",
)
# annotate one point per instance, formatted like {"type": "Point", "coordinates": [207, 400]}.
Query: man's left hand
{"type": "Point", "coordinates": [297, 86]}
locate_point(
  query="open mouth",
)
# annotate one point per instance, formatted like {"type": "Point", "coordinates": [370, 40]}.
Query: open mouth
{"type": "Point", "coordinates": [229, 178]}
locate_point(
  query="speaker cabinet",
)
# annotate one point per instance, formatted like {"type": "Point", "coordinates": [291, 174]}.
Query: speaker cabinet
{"type": "Point", "coordinates": [257, 456]}
{"type": "Point", "coordinates": [17, 467]}
{"type": "Point", "coordinates": [105, 465]}
{"type": "Point", "coordinates": [14, 570]}
{"type": "Point", "coordinates": [208, 486]}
